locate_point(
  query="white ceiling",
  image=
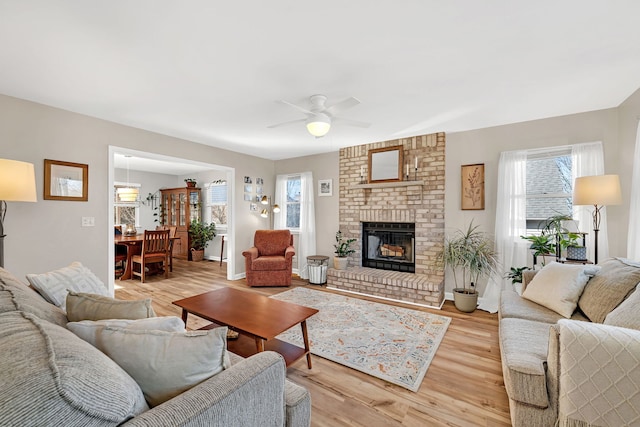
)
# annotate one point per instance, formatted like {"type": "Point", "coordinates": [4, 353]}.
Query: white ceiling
{"type": "Point", "coordinates": [211, 71]}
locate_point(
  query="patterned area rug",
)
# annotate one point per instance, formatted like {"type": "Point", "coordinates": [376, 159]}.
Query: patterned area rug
{"type": "Point", "coordinates": [393, 343]}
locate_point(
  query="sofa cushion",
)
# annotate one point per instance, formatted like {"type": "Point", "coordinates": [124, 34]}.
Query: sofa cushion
{"type": "Point", "coordinates": [524, 345]}
{"type": "Point", "coordinates": [91, 331]}
{"type": "Point", "coordinates": [558, 287]}
{"type": "Point", "coordinates": [269, 263]}
{"type": "Point", "coordinates": [17, 296]}
{"type": "Point", "coordinates": [272, 242]}
{"type": "Point", "coordinates": [513, 305]}
{"type": "Point", "coordinates": [81, 306]}
{"type": "Point", "coordinates": [627, 314]}
{"type": "Point", "coordinates": [616, 279]}
{"type": "Point", "coordinates": [53, 286]}
{"type": "Point", "coordinates": [165, 364]}
{"type": "Point", "coordinates": [52, 377]}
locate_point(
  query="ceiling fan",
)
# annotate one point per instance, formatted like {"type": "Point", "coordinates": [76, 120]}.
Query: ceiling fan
{"type": "Point", "coordinates": [320, 117]}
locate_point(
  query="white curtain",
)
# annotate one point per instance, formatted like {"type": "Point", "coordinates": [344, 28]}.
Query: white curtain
{"type": "Point", "coordinates": [511, 223]}
{"type": "Point", "coordinates": [587, 160]}
{"type": "Point", "coordinates": [633, 239]}
{"type": "Point", "coordinates": [307, 234]}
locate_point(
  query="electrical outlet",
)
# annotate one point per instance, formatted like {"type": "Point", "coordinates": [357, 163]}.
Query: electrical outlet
{"type": "Point", "coordinates": [88, 221]}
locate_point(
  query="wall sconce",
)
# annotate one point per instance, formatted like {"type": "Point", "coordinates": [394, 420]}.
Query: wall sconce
{"type": "Point", "coordinates": [266, 200]}
{"type": "Point", "coordinates": [17, 184]}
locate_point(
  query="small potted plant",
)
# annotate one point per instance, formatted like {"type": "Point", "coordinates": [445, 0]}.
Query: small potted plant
{"type": "Point", "coordinates": [515, 274]}
{"type": "Point", "coordinates": [190, 182]}
{"type": "Point", "coordinates": [343, 250]}
{"type": "Point", "coordinates": [200, 234]}
{"type": "Point", "coordinates": [541, 244]}
{"type": "Point", "coordinates": [471, 253]}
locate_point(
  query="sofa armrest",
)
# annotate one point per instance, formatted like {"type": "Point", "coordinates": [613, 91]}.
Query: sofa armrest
{"type": "Point", "coordinates": [251, 253]}
{"type": "Point", "coordinates": [599, 375]}
{"type": "Point", "coordinates": [249, 393]}
{"type": "Point", "coordinates": [289, 253]}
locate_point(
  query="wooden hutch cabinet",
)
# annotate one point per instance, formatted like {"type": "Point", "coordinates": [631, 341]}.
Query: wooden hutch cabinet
{"type": "Point", "coordinates": [180, 206]}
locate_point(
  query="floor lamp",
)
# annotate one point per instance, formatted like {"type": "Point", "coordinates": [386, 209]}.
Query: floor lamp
{"type": "Point", "coordinates": [17, 184]}
{"type": "Point", "coordinates": [599, 191]}
{"type": "Point", "coordinates": [266, 200]}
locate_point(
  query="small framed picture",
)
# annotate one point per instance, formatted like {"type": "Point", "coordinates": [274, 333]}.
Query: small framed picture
{"type": "Point", "coordinates": [247, 180]}
{"type": "Point", "coordinates": [472, 178]}
{"type": "Point", "coordinates": [66, 181]}
{"type": "Point", "coordinates": [248, 197]}
{"type": "Point", "coordinates": [258, 189]}
{"type": "Point", "coordinates": [253, 207]}
{"type": "Point", "coordinates": [259, 181]}
{"type": "Point", "coordinates": [325, 187]}
{"type": "Point", "coordinates": [248, 188]}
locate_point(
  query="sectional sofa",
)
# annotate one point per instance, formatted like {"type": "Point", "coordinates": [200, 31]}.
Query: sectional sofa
{"type": "Point", "coordinates": [570, 346]}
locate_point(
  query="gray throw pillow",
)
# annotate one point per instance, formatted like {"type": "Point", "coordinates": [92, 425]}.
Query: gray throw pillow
{"type": "Point", "coordinates": [616, 279]}
{"type": "Point", "coordinates": [82, 306]}
{"type": "Point", "coordinates": [627, 314]}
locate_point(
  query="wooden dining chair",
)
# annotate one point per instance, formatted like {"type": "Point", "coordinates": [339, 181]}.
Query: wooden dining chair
{"type": "Point", "coordinates": [155, 249]}
{"type": "Point", "coordinates": [172, 234]}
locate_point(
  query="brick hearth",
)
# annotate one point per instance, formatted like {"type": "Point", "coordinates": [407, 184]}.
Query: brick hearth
{"type": "Point", "coordinates": [420, 201]}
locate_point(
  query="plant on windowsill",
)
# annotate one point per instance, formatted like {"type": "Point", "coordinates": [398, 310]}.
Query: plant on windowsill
{"type": "Point", "coordinates": [200, 234]}
{"type": "Point", "coordinates": [343, 250]}
{"type": "Point", "coordinates": [472, 253]}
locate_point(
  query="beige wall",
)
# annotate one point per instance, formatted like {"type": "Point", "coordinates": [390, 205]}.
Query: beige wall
{"type": "Point", "coordinates": [47, 235]}
{"type": "Point", "coordinates": [322, 166]}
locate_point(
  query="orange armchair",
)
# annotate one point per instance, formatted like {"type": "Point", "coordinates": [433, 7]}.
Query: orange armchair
{"type": "Point", "coordinates": [268, 262]}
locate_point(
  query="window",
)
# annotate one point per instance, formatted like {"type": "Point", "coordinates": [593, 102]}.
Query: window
{"type": "Point", "coordinates": [549, 186]}
{"type": "Point", "coordinates": [216, 203]}
{"type": "Point", "coordinates": [294, 185]}
{"type": "Point", "coordinates": [125, 212]}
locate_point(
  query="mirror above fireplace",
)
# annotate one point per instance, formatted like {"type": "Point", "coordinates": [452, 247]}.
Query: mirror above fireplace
{"type": "Point", "coordinates": [385, 164]}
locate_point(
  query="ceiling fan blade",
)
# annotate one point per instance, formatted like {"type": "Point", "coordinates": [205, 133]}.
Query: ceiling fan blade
{"type": "Point", "coordinates": [352, 122]}
{"type": "Point", "coordinates": [286, 123]}
{"type": "Point", "coordinates": [297, 107]}
{"type": "Point", "coordinates": [342, 105]}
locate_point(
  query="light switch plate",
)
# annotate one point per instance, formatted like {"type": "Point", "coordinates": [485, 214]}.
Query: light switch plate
{"type": "Point", "coordinates": [88, 221]}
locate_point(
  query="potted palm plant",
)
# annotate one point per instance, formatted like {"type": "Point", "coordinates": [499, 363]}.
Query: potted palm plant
{"type": "Point", "coordinates": [343, 250]}
{"type": "Point", "coordinates": [471, 253]}
{"type": "Point", "coordinates": [200, 234]}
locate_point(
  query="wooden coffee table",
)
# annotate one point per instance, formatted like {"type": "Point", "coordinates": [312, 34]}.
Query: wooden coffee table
{"type": "Point", "coordinates": [257, 318]}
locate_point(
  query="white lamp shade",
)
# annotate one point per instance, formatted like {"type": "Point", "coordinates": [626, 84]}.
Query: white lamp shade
{"type": "Point", "coordinates": [601, 190]}
{"type": "Point", "coordinates": [128, 194]}
{"type": "Point", "coordinates": [276, 208]}
{"type": "Point", "coordinates": [319, 125]}
{"type": "Point", "coordinates": [17, 181]}
{"type": "Point", "coordinates": [264, 213]}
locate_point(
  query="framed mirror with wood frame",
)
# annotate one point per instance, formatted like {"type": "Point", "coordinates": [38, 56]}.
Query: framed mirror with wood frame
{"type": "Point", "coordinates": [385, 164]}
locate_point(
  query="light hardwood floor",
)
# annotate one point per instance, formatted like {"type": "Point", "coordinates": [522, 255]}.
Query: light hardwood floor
{"type": "Point", "coordinates": [463, 386]}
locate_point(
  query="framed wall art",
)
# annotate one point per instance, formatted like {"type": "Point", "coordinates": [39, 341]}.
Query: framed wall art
{"type": "Point", "coordinates": [325, 187]}
{"type": "Point", "coordinates": [472, 177]}
{"type": "Point", "coordinates": [66, 181]}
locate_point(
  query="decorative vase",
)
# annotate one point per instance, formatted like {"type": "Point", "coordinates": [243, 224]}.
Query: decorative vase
{"type": "Point", "coordinates": [340, 263]}
{"type": "Point", "coordinates": [197, 255]}
{"type": "Point", "coordinates": [191, 184]}
{"type": "Point", "coordinates": [130, 230]}
{"type": "Point", "coordinates": [465, 300]}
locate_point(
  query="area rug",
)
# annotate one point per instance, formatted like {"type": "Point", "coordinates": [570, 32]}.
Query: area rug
{"type": "Point", "coordinates": [392, 343]}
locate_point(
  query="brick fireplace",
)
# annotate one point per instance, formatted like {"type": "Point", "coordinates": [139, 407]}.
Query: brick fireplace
{"type": "Point", "coordinates": [416, 203]}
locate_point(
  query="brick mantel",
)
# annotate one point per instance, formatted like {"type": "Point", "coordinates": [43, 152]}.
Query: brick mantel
{"type": "Point", "coordinates": [420, 201]}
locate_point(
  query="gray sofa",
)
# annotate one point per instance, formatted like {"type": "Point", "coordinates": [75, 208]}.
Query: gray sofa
{"type": "Point", "coordinates": [52, 377]}
{"type": "Point", "coordinates": [575, 372]}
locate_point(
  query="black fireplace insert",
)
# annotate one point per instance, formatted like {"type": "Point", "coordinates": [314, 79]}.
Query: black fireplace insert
{"type": "Point", "coordinates": [389, 246]}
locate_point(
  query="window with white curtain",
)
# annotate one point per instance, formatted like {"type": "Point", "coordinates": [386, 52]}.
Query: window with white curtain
{"type": "Point", "coordinates": [216, 205]}
{"type": "Point", "coordinates": [294, 190]}
{"type": "Point", "coordinates": [549, 186]}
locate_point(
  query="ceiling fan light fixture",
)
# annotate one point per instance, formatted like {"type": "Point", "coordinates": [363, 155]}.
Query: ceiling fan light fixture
{"type": "Point", "coordinates": [319, 125]}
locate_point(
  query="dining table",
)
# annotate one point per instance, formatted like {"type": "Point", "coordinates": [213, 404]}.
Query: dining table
{"type": "Point", "coordinates": [133, 244]}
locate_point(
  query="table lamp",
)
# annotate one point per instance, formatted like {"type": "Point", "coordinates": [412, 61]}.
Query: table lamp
{"type": "Point", "coordinates": [17, 184]}
{"type": "Point", "coordinates": [599, 191]}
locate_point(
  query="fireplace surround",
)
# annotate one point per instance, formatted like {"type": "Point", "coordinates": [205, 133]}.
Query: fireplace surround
{"type": "Point", "coordinates": [416, 202]}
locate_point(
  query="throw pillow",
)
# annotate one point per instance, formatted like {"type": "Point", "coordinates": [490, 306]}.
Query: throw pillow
{"type": "Point", "coordinates": [165, 364]}
{"type": "Point", "coordinates": [91, 331]}
{"type": "Point", "coordinates": [627, 314]}
{"type": "Point", "coordinates": [81, 306]}
{"type": "Point", "coordinates": [557, 287]}
{"type": "Point", "coordinates": [53, 285]}
{"type": "Point", "coordinates": [616, 279]}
